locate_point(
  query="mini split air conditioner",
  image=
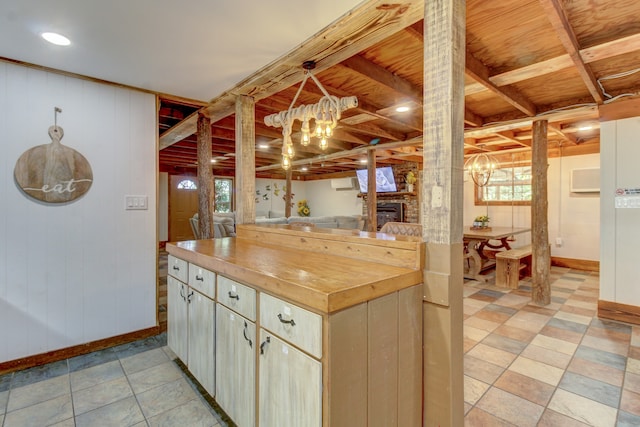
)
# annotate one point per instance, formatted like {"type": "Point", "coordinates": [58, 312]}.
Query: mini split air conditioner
{"type": "Point", "coordinates": [585, 180]}
{"type": "Point", "coordinates": [344, 184]}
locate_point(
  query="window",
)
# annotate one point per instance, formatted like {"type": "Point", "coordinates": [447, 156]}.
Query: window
{"type": "Point", "coordinates": [187, 184]}
{"type": "Point", "coordinates": [507, 186]}
{"type": "Point", "coordinates": [223, 190]}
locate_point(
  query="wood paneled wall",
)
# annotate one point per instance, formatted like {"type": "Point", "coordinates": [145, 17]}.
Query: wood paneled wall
{"type": "Point", "coordinates": [83, 271]}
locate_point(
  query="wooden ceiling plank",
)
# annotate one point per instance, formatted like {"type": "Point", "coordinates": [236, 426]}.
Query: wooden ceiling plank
{"type": "Point", "coordinates": [560, 23]}
{"type": "Point", "coordinates": [480, 73]}
{"type": "Point", "coordinates": [360, 28]}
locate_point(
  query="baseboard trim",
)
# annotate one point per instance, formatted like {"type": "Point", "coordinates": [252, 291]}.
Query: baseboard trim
{"type": "Point", "coordinates": [619, 312]}
{"type": "Point", "coordinates": [78, 350]}
{"type": "Point", "coordinates": [577, 264]}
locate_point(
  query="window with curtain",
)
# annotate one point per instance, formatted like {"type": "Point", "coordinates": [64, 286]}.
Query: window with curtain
{"type": "Point", "coordinates": [507, 186]}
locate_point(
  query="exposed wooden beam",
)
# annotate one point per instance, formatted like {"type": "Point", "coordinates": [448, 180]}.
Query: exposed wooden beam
{"type": "Point", "coordinates": [360, 28]}
{"type": "Point", "coordinates": [480, 73]}
{"type": "Point", "coordinates": [560, 23]}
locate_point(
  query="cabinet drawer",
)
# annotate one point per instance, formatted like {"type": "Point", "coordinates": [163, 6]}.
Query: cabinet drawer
{"type": "Point", "coordinates": [178, 268]}
{"type": "Point", "coordinates": [292, 323]}
{"type": "Point", "coordinates": [203, 280]}
{"type": "Point", "coordinates": [238, 297]}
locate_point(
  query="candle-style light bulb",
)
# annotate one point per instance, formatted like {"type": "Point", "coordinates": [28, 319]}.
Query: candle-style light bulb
{"type": "Point", "coordinates": [324, 143]}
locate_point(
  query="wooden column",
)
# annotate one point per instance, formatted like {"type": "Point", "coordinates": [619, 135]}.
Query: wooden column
{"type": "Point", "coordinates": [205, 178]}
{"type": "Point", "coordinates": [372, 196]}
{"type": "Point", "coordinates": [245, 160]}
{"type": "Point", "coordinates": [287, 197]}
{"type": "Point", "coordinates": [441, 211]}
{"type": "Point", "coordinates": [540, 252]}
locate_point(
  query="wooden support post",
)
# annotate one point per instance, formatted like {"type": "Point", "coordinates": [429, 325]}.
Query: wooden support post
{"type": "Point", "coordinates": [372, 196]}
{"type": "Point", "coordinates": [205, 179]}
{"type": "Point", "coordinates": [287, 196]}
{"type": "Point", "coordinates": [245, 160]}
{"type": "Point", "coordinates": [541, 287]}
{"type": "Point", "coordinates": [441, 211]}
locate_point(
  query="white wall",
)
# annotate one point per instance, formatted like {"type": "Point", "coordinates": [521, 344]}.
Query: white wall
{"type": "Point", "coordinates": [85, 270]}
{"type": "Point", "coordinates": [573, 217]}
{"type": "Point", "coordinates": [620, 228]}
{"type": "Point", "coordinates": [322, 199]}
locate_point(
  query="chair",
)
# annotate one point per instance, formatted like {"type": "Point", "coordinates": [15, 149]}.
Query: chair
{"type": "Point", "coordinates": [402, 229]}
{"type": "Point", "coordinates": [193, 221]}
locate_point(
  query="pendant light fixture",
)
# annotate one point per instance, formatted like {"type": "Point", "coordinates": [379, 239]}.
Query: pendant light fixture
{"type": "Point", "coordinates": [325, 115]}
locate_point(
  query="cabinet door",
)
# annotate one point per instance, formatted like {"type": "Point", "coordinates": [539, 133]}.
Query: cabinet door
{"type": "Point", "coordinates": [202, 318]}
{"type": "Point", "coordinates": [290, 389]}
{"type": "Point", "coordinates": [236, 366]}
{"type": "Point", "coordinates": [177, 327]}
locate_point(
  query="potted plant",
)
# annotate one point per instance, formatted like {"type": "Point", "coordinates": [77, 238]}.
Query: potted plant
{"type": "Point", "coordinates": [410, 179]}
{"type": "Point", "coordinates": [481, 221]}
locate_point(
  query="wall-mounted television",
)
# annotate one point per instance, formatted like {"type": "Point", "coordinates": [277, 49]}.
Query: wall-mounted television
{"type": "Point", "coordinates": [385, 182]}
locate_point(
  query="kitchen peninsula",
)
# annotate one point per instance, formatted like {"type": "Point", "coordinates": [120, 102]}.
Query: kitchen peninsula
{"type": "Point", "coordinates": [305, 326]}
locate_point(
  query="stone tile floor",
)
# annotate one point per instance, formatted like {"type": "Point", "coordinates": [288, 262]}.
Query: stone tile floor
{"type": "Point", "coordinates": [557, 365]}
{"type": "Point", "coordinates": [136, 384]}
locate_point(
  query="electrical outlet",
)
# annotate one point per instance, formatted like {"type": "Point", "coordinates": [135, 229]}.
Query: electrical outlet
{"type": "Point", "coordinates": [558, 241]}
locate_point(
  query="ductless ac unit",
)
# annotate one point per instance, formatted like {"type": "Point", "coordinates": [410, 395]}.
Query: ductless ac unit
{"type": "Point", "coordinates": [344, 183]}
{"type": "Point", "coordinates": [585, 180]}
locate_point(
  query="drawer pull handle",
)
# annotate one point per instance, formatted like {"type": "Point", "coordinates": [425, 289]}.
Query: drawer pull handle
{"type": "Point", "coordinates": [176, 268]}
{"type": "Point", "coordinates": [264, 344]}
{"type": "Point", "coordinates": [200, 278]}
{"type": "Point", "coordinates": [234, 296]}
{"type": "Point", "coordinates": [189, 297]}
{"type": "Point", "coordinates": [182, 292]}
{"type": "Point", "coordinates": [291, 322]}
{"type": "Point", "coordinates": [244, 332]}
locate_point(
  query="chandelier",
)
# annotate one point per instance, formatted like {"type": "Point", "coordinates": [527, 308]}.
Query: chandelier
{"type": "Point", "coordinates": [325, 115]}
{"type": "Point", "coordinates": [480, 167]}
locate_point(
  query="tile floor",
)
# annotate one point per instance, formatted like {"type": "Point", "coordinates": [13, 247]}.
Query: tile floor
{"type": "Point", "coordinates": [524, 366]}
{"type": "Point", "coordinates": [135, 384]}
{"type": "Point", "coordinates": [557, 365]}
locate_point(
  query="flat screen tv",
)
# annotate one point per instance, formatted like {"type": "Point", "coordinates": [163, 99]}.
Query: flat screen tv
{"type": "Point", "coordinates": [385, 182]}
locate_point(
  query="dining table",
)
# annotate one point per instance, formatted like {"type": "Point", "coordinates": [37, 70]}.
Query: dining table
{"type": "Point", "coordinates": [477, 239]}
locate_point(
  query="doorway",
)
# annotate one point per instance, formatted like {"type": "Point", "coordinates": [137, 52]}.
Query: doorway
{"type": "Point", "coordinates": [183, 204]}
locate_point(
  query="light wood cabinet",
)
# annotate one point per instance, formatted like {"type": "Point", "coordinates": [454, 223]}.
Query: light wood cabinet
{"type": "Point", "coordinates": [334, 341]}
{"type": "Point", "coordinates": [202, 330]}
{"type": "Point", "coordinates": [177, 318]}
{"type": "Point", "coordinates": [290, 385]}
{"type": "Point", "coordinates": [236, 366]}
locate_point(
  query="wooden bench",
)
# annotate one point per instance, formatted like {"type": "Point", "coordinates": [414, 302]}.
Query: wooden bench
{"type": "Point", "coordinates": [511, 264]}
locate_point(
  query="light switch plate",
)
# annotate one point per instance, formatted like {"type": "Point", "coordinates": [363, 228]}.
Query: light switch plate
{"type": "Point", "coordinates": [136, 203]}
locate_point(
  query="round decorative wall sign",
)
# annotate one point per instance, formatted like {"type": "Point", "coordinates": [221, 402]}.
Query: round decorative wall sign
{"type": "Point", "coordinates": [53, 173]}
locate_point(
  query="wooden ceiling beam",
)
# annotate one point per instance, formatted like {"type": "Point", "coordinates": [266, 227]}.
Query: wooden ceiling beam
{"type": "Point", "coordinates": [480, 73]}
{"type": "Point", "coordinates": [560, 23]}
{"type": "Point", "coordinates": [357, 30]}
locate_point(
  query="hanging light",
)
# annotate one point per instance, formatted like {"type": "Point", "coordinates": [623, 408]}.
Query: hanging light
{"type": "Point", "coordinates": [325, 114]}
{"type": "Point", "coordinates": [480, 167]}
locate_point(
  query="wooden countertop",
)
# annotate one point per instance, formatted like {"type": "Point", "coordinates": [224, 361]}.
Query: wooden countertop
{"type": "Point", "coordinates": [321, 270]}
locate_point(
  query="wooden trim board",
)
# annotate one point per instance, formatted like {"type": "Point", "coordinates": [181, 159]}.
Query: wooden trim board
{"type": "Point", "coordinates": [619, 312]}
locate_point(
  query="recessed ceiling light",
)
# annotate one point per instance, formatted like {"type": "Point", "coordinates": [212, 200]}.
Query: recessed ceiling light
{"type": "Point", "coordinates": [402, 109]}
{"type": "Point", "coordinates": [263, 146]}
{"type": "Point", "coordinates": [585, 127]}
{"type": "Point", "coordinates": [304, 169]}
{"type": "Point", "coordinates": [213, 160]}
{"type": "Point", "coordinates": [57, 39]}
{"type": "Point", "coordinates": [363, 161]}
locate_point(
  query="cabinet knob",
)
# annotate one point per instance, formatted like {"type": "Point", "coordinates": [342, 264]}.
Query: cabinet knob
{"type": "Point", "coordinates": [291, 322]}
